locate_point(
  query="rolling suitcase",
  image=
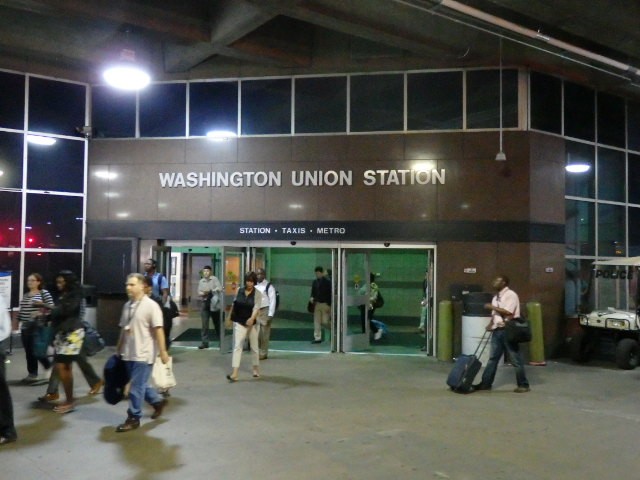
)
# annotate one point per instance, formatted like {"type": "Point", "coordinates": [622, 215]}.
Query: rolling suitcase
{"type": "Point", "coordinates": [466, 368]}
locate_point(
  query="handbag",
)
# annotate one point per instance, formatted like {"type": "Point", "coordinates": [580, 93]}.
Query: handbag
{"type": "Point", "coordinates": [214, 306]}
{"type": "Point", "coordinates": [162, 376]}
{"type": "Point", "coordinates": [115, 379]}
{"type": "Point", "coordinates": [42, 339]}
{"type": "Point", "coordinates": [518, 330]}
{"type": "Point", "coordinates": [93, 341]}
{"type": "Point", "coordinates": [311, 306]}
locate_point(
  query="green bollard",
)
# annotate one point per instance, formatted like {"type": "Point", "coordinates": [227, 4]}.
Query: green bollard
{"type": "Point", "coordinates": [536, 347]}
{"type": "Point", "coordinates": [445, 331]}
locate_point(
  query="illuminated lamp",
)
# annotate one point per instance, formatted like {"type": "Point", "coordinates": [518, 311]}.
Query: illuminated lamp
{"type": "Point", "coordinates": [576, 166]}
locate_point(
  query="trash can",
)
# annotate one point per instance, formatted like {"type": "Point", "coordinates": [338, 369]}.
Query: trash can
{"type": "Point", "coordinates": [474, 320]}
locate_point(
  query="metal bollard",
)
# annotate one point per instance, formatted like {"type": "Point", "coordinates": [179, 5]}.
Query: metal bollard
{"type": "Point", "coordinates": [445, 331]}
{"type": "Point", "coordinates": [536, 347]}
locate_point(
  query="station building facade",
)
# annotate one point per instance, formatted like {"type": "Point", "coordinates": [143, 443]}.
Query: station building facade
{"type": "Point", "coordinates": [371, 161]}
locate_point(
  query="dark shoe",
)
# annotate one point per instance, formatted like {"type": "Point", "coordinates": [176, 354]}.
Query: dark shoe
{"type": "Point", "coordinates": [263, 357]}
{"type": "Point", "coordinates": [29, 379]}
{"type": "Point", "coordinates": [522, 390]}
{"type": "Point", "coordinates": [131, 423]}
{"type": "Point", "coordinates": [96, 388]}
{"type": "Point", "coordinates": [480, 386]}
{"type": "Point", "coordinates": [232, 379]}
{"type": "Point", "coordinates": [316, 341]}
{"type": "Point", "coordinates": [158, 408]}
{"type": "Point", "coordinates": [49, 397]}
{"type": "Point", "coordinates": [203, 346]}
{"type": "Point", "coordinates": [5, 440]}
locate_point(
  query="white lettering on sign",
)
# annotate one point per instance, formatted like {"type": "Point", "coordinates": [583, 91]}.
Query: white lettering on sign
{"type": "Point", "coordinates": [330, 230]}
{"type": "Point", "coordinates": [318, 178]}
{"type": "Point", "coordinates": [300, 178]}
{"type": "Point", "coordinates": [255, 229]}
{"type": "Point", "coordinates": [403, 177]}
{"type": "Point", "coordinates": [220, 179]}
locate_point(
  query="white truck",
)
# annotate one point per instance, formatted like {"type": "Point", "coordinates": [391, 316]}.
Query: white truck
{"type": "Point", "coordinates": [621, 326]}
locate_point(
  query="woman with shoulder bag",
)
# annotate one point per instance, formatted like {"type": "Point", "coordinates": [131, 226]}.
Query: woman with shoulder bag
{"type": "Point", "coordinates": [69, 333]}
{"type": "Point", "coordinates": [29, 317]}
{"type": "Point", "coordinates": [244, 314]}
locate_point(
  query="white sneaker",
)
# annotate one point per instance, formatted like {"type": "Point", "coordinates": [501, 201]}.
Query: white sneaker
{"type": "Point", "coordinates": [378, 334]}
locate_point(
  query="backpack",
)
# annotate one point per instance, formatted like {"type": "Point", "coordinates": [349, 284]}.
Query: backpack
{"type": "Point", "coordinates": [379, 301]}
{"type": "Point", "coordinates": [266, 290]}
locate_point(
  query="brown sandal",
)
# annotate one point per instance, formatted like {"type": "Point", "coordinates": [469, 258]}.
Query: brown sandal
{"type": "Point", "coordinates": [64, 408]}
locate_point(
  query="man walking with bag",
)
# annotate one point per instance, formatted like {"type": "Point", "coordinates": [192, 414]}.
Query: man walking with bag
{"type": "Point", "coordinates": [141, 338]}
{"type": "Point", "coordinates": [209, 288]}
{"type": "Point", "coordinates": [505, 306]}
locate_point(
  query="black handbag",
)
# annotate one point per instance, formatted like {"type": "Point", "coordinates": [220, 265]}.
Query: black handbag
{"type": "Point", "coordinates": [93, 342]}
{"type": "Point", "coordinates": [518, 330]}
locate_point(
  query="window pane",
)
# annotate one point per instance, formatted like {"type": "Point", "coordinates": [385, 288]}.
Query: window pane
{"type": "Point", "coordinates": [10, 219]}
{"type": "Point", "coordinates": [48, 264]}
{"type": "Point", "coordinates": [634, 179]}
{"type": "Point", "coordinates": [56, 107]}
{"type": "Point", "coordinates": [580, 228]}
{"type": "Point", "coordinates": [580, 184]}
{"type": "Point", "coordinates": [579, 298]}
{"type": "Point", "coordinates": [633, 125]}
{"type": "Point", "coordinates": [377, 103]}
{"type": "Point", "coordinates": [321, 105]}
{"type": "Point", "coordinates": [634, 231]}
{"type": "Point", "coordinates": [610, 120]}
{"type": "Point", "coordinates": [11, 146]}
{"type": "Point", "coordinates": [12, 100]}
{"type": "Point", "coordinates": [213, 106]}
{"type": "Point", "coordinates": [163, 108]}
{"type": "Point", "coordinates": [611, 230]}
{"type": "Point", "coordinates": [10, 262]}
{"type": "Point", "coordinates": [53, 221]}
{"type": "Point", "coordinates": [483, 98]}
{"type": "Point", "coordinates": [546, 103]}
{"type": "Point", "coordinates": [114, 112]}
{"type": "Point", "coordinates": [266, 107]}
{"type": "Point", "coordinates": [579, 111]}
{"type": "Point", "coordinates": [611, 175]}
{"type": "Point", "coordinates": [434, 101]}
{"type": "Point", "coordinates": [58, 167]}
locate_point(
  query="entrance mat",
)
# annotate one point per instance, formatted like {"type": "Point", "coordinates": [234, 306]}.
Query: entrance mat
{"type": "Point", "coordinates": [404, 339]}
{"type": "Point", "coordinates": [277, 334]}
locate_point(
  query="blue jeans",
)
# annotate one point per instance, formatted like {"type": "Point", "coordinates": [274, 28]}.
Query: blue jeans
{"type": "Point", "coordinates": [498, 346]}
{"type": "Point", "coordinates": [139, 390]}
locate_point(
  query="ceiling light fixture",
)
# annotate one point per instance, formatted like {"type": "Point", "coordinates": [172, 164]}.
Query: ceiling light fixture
{"type": "Point", "coordinates": [40, 140]}
{"type": "Point", "coordinates": [576, 166]}
{"type": "Point", "coordinates": [220, 135]}
{"type": "Point", "coordinates": [126, 72]}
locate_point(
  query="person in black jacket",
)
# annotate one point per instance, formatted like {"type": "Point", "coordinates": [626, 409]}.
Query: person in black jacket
{"type": "Point", "coordinates": [69, 333]}
{"type": "Point", "coordinates": [321, 299]}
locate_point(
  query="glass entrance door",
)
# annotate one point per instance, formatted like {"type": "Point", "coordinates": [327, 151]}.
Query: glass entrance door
{"type": "Point", "coordinates": [354, 320]}
{"type": "Point", "coordinates": [234, 260]}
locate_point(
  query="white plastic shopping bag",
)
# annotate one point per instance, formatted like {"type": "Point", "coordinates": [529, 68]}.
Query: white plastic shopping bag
{"type": "Point", "coordinates": [162, 374]}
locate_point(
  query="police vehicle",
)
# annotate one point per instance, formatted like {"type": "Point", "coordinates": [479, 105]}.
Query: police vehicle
{"type": "Point", "coordinates": [618, 325]}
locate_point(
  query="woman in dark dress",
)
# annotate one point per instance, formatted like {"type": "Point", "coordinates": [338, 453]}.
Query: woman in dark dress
{"type": "Point", "coordinates": [244, 313]}
{"type": "Point", "coordinates": [69, 333]}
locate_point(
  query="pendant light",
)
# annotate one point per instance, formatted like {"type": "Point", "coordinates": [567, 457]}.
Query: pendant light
{"type": "Point", "coordinates": [500, 156]}
{"type": "Point", "coordinates": [126, 71]}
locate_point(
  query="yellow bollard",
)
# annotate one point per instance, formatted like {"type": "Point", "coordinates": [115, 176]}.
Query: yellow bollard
{"type": "Point", "coordinates": [536, 347]}
{"type": "Point", "coordinates": [445, 331]}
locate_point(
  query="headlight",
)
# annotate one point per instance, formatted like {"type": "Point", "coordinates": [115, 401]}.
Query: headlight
{"type": "Point", "coordinates": [620, 324]}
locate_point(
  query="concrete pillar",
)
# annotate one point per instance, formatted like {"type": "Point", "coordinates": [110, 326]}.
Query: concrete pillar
{"type": "Point", "coordinates": [536, 346]}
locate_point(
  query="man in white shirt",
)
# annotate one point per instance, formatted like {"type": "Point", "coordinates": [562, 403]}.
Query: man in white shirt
{"type": "Point", "coordinates": [267, 311]}
{"type": "Point", "coordinates": [141, 338]}
{"type": "Point", "coordinates": [505, 306]}
{"type": "Point", "coordinates": [208, 288]}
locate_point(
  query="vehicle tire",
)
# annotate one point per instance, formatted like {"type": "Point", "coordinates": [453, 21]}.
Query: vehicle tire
{"type": "Point", "coordinates": [581, 346]}
{"type": "Point", "coordinates": [627, 354]}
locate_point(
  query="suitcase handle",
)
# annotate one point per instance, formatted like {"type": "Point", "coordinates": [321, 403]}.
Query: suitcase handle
{"type": "Point", "coordinates": [483, 343]}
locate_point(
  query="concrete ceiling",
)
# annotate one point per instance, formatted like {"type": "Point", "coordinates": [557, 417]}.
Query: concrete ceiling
{"type": "Point", "coordinates": [230, 38]}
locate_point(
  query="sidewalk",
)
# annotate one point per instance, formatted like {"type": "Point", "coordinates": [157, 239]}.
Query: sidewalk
{"type": "Point", "coordinates": [323, 416]}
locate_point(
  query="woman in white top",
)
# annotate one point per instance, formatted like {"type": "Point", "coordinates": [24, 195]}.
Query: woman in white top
{"type": "Point", "coordinates": [29, 316]}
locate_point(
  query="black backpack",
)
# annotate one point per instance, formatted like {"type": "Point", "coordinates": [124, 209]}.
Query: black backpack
{"type": "Point", "coordinates": [266, 291]}
{"type": "Point", "coordinates": [379, 301]}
